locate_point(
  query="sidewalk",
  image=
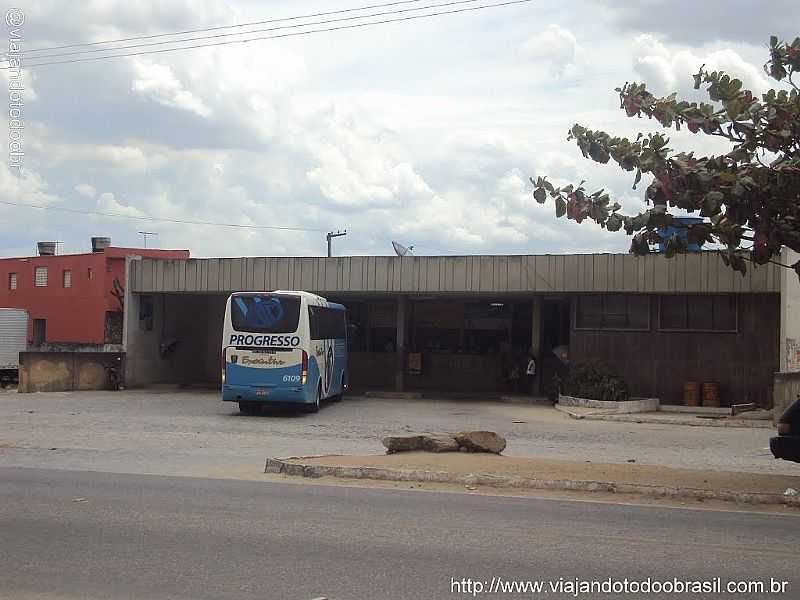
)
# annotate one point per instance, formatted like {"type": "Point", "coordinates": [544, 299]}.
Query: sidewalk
{"type": "Point", "coordinates": [537, 473]}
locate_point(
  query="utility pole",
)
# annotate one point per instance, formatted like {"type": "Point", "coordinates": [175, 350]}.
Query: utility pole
{"type": "Point", "coordinates": [330, 236]}
{"type": "Point", "coordinates": [144, 234]}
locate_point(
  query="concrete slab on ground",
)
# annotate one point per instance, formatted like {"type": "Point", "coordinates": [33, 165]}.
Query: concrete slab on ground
{"type": "Point", "coordinates": [173, 432]}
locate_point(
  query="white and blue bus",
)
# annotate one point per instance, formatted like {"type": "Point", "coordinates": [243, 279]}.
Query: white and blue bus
{"type": "Point", "coordinates": [283, 348]}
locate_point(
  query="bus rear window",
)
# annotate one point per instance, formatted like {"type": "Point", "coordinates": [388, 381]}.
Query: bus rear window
{"type": "Point", "coordinates": [265, 314]}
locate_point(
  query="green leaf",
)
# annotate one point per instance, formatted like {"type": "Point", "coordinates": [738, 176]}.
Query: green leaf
{"type": "Point", "coordinates": [561, 207]}
{"type": "Point", "coordinates": [734, 109]}
{"type": "Point", "coordinates": [598, 153]}
{"type": "Point", "coordinates": [540, 195]}
{"type": "Point", "coordinates": [711, 203]}
{"type": "Point", "coordinates": [614, 222]}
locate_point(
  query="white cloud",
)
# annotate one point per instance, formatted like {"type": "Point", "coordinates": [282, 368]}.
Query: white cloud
{"type": "Point", "coordinates": [132, 158]}
{"type": "Point", "coordinates": [556, 47]}
{"type": "Point", "coordinates": [668, 69]}
{"type": "Point", "coordinates": [22, 80]}
{"type": "Point", "coordinates": [107, 202]}
{"type": "Point", "coordinates": [28, 188]}
{"type": "Point", "coordinates": [86, 190]}
{"type": "Point", "coordinates": [158, 83]}
{"type": "Point", "coordinates": [425, 134]}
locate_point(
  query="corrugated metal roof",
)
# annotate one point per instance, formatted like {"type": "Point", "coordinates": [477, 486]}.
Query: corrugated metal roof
{"type": "Point", "coordinates": [703, 272]}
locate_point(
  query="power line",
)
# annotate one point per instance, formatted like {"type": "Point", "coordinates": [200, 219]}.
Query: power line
{"type": "Point", "coordinates": [159, 219]}
{"type": "Point", "coordinates": [283, 35]}
{"type": "Point", "coordinates": [239, 33]}
{"type": "Point", "coordinates": [250, 24]}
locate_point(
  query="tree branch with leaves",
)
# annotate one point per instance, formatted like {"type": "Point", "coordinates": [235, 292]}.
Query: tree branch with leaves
{"type": "Point", "coordinates": [750, 197]}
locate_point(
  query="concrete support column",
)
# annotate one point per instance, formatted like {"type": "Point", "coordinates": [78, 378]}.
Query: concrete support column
{"type": "Point", "coordinates": [536, 327]}
{"type": "Point", "coordinates": [399, 376]}
{"type": "Point", "coordinates": [130, 321]}
{"type": "Point", "coordinates": [536, 336]}
{"type": "Point", "coordinates": [368, 332]}
{"type": "Point", "coordinates": [790, 314]}
{"type": "Point", "coordinates": [786, 385]}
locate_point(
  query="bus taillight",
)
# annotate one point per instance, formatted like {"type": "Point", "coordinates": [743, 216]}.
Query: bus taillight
{"type": "Point", "coordinates": [304, 371]}
{"type": "Point", "coordinates": [223, 365]}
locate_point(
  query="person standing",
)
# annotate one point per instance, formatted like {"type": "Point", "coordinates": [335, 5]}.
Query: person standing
{"type": "Point", "coordinates": [530, 374]}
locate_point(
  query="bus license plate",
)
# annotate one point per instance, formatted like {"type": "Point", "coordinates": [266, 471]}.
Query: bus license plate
{"type": "Point", "coordinates": [262, 393]}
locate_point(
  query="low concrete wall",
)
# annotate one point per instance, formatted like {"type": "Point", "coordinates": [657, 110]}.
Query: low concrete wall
{"type": "Point", "coordinates": [635, 405]}
{"type": "Point", "coordinates": [786, 390]}
{"type": "Point", "coordinates": [65, 371]}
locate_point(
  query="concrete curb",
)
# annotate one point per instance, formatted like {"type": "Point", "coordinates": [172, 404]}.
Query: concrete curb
{"type": "Point", "coordinates": [632, 418]}
{"type": "Point", "coordinates": [284, 467]}
{"type": "Point", "coordinates": [568, 412]}
{"type": "Point", "coordinates": [742, 424]}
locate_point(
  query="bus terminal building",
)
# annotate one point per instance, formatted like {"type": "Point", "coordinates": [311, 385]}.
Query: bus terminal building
{"type": "Point", "coordinates": [464, 323]}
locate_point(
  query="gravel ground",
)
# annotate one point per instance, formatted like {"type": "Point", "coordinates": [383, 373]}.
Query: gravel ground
{"type": "Point", "coordinates": [173, 432]}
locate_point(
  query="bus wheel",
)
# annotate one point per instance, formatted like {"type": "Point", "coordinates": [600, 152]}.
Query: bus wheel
{"type": "Point", "coordinates": [315, 407]}
{"type": "Point", "coordinates": [246, 408]}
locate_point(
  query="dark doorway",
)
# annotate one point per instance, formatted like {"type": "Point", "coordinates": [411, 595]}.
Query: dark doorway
{"type": "Point", "coordinates": [554, 332]}
{"type": "Point", "coordinates": [39, 332]}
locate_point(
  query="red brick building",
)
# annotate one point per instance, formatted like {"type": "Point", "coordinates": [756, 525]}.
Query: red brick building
{"type": "Point", "coordinates": [72, 300]}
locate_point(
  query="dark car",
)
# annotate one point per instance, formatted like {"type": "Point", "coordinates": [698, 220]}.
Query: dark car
{"type": "Point", "coordinates": [786, 444]}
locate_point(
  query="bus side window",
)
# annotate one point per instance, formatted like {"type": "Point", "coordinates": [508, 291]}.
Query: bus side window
{"type": "Point", "coordinates": [314, 322]}
{"type": "Point", "coordinates": [326, 323]}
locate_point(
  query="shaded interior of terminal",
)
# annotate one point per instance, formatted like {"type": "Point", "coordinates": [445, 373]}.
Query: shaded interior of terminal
{"type": "Point", "coordinates": [480, 344]}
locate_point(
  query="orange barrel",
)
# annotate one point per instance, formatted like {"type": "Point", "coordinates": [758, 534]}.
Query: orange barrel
{"type": "Point", "coordinates": [691, 393]}
{"type": "Point", "coordinates": [710, 394]}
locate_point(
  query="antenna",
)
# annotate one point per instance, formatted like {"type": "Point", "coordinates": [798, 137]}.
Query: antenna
{"type": "Point", "coordinates": [401, 250]}
{"type": "Point", "coordinates": [144, 234]}
{"type": "Point", "coordinates": [330, 236]}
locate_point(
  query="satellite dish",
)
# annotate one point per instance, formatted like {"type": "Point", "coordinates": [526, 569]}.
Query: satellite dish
{"type": "Point", "coordinates": [401, 250]}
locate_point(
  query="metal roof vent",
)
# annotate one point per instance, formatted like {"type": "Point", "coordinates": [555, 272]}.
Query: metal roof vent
{"type": "Point", "coordinates": [100, 243]}
{"type": "Point", "coordinates": [46, 248]}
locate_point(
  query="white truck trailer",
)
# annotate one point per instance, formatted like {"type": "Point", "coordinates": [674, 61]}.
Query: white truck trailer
{"type": "Point", "coordinates": [13, 340]}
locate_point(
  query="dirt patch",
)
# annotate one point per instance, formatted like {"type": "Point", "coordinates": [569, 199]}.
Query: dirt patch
{"type": "Point", "coordinates": [551, 469]}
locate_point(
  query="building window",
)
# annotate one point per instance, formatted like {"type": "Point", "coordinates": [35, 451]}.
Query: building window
{"type": "Point", "coordinates": [12, 281]}
{"type": "Point", "coordinates": [613, 311]}
{"type": "Point", "coordinates": [39, 332]}
{"type": "Point", "coordinates": [40, 277]}
{"type": "Point", "coordinates": [698, 313]}
{"type": "Point", "coordinates": [67, 279]}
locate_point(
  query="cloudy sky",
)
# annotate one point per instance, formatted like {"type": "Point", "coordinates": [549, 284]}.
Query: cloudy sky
{"type": "Point", "coordinates": [423, 131]}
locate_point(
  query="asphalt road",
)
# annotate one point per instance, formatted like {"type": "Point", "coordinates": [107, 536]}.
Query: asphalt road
{"type": "Point", "coordinates": [71, 535]}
